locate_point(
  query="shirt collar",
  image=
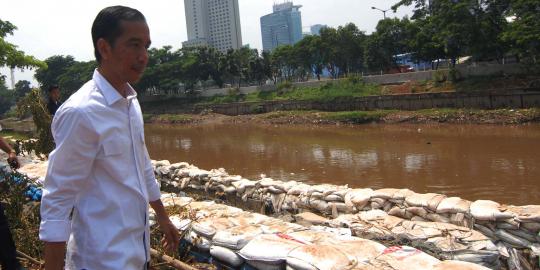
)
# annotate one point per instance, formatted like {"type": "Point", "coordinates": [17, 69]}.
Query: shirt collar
{"type": "Point", "coordinates": [111, 95]}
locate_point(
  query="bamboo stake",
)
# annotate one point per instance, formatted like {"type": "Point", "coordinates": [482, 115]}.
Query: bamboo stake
{"type": "Point", "coordinates": [29, 258]}
{"type": "Point", "coordinates": [171, 261]}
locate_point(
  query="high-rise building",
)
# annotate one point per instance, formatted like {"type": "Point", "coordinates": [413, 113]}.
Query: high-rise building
{"type": "Point", "coordinates": [214, 23]}
{"type": "Point", "coordinates": [282, 27]}
{"type": "Point", "coordinates": [316, 29]}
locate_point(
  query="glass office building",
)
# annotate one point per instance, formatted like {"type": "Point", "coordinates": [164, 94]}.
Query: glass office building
{"type": "Point", "coordinates": [281, 27]}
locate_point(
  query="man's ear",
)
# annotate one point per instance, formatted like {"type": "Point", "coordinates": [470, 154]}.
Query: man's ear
{"type": "Point", "coordinates": [104, 49]}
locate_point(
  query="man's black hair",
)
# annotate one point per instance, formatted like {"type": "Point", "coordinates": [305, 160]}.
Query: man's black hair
{"type": "Point", "coordinates": [52, 87]}
{"type": "Point", "coordinates": [107, 24]}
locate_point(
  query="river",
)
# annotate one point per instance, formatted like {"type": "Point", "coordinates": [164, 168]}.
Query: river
{"type": "Point", "coordinates": [500, 163]}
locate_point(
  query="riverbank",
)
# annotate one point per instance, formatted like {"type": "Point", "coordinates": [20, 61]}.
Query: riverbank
{"type": "Point", "coordinates": [349, 220]}
{"type": "Point", "coordinates": [453, 116]}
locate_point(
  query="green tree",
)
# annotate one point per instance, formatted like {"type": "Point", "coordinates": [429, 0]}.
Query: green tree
{"type": "Point", "coordinates": [7, 99]}
{"type": "Point", "coordinates": [10, 56]}
{"type": "Point", "coordinates": [56, 66]}
{"type": "Point", "coordinates": [282, 60]}
{"type": "Point", "coordinates": [21, 89]}
{"type": "Point", "coordinates": [330, 52]}
{"type": "Point", "coordinates": [487, 41]}
{"type": "Point", "coordinates": [351, 45]}
{"type": "Point", "coordinates": [392, 37]}
{"type": "Point", "coordinates": [524, 32]}
{"type": "Point", "coordinates": [453, 28]}
{"type": "Point", "coordinates": [75, 77]}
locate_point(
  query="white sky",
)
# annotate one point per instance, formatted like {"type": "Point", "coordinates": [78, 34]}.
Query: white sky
{"type": "Point", "coordinates": [62, 27]}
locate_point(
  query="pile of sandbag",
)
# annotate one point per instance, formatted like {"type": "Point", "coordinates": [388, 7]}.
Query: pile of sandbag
{"type": "Point", "coordinates": [516, 226]}
{"type": "Point", "coordinates": [447, 241]}
{"type": "Point", "coordinates": [244, 240]}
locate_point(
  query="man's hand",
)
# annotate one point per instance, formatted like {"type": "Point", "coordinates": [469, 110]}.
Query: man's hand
{"type": "Point", "coordinates": [13, 161]}
{"type": "Point", "coordinates": [171, 236]}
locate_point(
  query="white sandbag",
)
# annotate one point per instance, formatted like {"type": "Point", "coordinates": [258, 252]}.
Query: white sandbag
{"type": "Point", "coordinates": [385, 193]}
{"type": "Point", "coordinates": [319, 205]}
{"type": "Point", "coordinates": [319, 257]}
{"type": "Point", "coordinates": [299, 189]}
{"type": "Point", "coordinates": [209, 226]}
{"type": "Point", "coordinates": [458, 265]}
{"type": "Point", "coordinates": [400, 212]}
{"type": "Point", "coordinates": [333, 198]}
{"type": "Point", "coordinates": [269, 250]}
{"type": "Point", "coordinates": [488, 210]}
{"type": "Point", "coordinates": [312, 236]}
{"type": "Point", "coordinates": [273, 226]}
{"type": "Point", "coordinates": [401, 194]}
{"type": "Point", "coordinates": [226, 255]}
{"type": "Point", "coordinates": [236, 238]}
{"type": "Point", "coordinates": [361, 249]}
{"type": "Point", "coordinates": [513, 240]}
{"type": "Point", "coordinates": [531, 226]}
{"type": "Point", "coordinates": [407, 258]}
{"type": "Point", "coordinates": [418, 211]}
{"type": "Point", "coordinates": [180, 223]}
{"type": "Point", "coordinates": [310, 219]}
{"type": "Point", "coordinates": [526, 213]}
{"type": "Point", "coordinates": [453, 205]}
{"type": "Point", "coordinates": [161, 163]}
{"type": "Point", "coordinates": [339, 232]}
{"type": "Point", "coordinates": [358, 198]}
{"type": "Point", "coordinates": [372, 215]}
{"type": "Point", "coordinates": [198, 241]}
{"type": "Point", "coordinates": [377, 203]}
{"type": "Point", "coordinates": [428, 200]}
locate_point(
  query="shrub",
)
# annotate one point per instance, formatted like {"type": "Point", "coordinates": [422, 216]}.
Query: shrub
{"type": "Point", "coordinates": [33, 103]}
{"type": "Point", "coordinates": [439, 76]}
{"type": "Point", "coordinates": [355, 79]}
{"type": "Point", "coordinates": [286, 85]}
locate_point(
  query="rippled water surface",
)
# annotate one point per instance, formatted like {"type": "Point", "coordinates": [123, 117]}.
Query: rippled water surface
{"type": "Point", "coordinates": [500, 163]}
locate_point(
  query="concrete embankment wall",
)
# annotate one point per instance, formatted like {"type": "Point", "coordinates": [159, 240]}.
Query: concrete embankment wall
{"type": "Point", "coordinates": [514, 100]}
{"type": "Point", "coordinates": [464, 71]}
{"type": "Point", "coordinates": [514, 229]}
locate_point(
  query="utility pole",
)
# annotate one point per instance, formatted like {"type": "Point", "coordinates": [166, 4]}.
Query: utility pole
{"type": "Point", "coordinates": [382, 10]}
{"type": "Point", "coordinates": [12, 73]}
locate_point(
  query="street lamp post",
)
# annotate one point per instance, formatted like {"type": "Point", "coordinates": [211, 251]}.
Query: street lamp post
{"type": "Point", "coordinates": [382, 10]}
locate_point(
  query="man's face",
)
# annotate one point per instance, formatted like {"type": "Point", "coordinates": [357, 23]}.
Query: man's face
{"type": "Point", "coordinates": [128, 56]}
{"type": "Point", "coordinates": [55, 94]}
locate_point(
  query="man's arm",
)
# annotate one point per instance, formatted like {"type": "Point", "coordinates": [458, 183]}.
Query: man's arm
{"type": "Point", "coordinates": [171, 234]}
{"type": "Point", "coordinates": [70, 165]}
{"type": "Point", "coordinates": [54, 255]}
{"type": "Point", "coordinates": [12, 156]}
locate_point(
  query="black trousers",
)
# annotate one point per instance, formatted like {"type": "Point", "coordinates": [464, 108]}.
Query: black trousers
{"type": "Point", "coordinates": [8, 254]}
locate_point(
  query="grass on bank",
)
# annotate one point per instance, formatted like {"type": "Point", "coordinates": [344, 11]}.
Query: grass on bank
{"type": "Point", "coordinates": [168, 118]}
{"type": "Point", "coordinates": [358, 117]}
{"type": "Point", "coordinates": [353, 87]}
{"type": "Point", "coordinates": [12, 135]}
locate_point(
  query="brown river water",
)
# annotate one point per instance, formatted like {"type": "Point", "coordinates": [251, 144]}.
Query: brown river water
{"type": "Point", "coordinates": [500, 163]}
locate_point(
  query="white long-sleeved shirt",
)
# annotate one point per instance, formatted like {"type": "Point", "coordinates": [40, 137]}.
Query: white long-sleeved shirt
{"type": "Point", "coordinates": [100, 169]}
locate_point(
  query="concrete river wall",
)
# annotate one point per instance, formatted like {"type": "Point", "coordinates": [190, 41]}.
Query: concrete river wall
{"type": "Point", "coordinates": [519, 99]}
{"type": "Point", "coordinates": [514, 100]}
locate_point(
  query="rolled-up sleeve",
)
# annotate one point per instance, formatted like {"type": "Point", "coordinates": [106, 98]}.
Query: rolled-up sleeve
{"type": "Point", "coordinates": [152, 186]}
{"type": "Point", "coordinates": [70, 165]}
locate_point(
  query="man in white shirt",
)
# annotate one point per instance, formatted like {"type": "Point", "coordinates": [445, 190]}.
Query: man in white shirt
{"type": "Point", "coordinates": [100, 167]}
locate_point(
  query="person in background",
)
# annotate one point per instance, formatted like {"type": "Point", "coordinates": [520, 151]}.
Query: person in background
{"type": "Point", "coordinates": [54, 99]}
{"type": "Point", "coordinates": [8, 253]}
{"type": "Point", "coordinates": [100, 167]}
